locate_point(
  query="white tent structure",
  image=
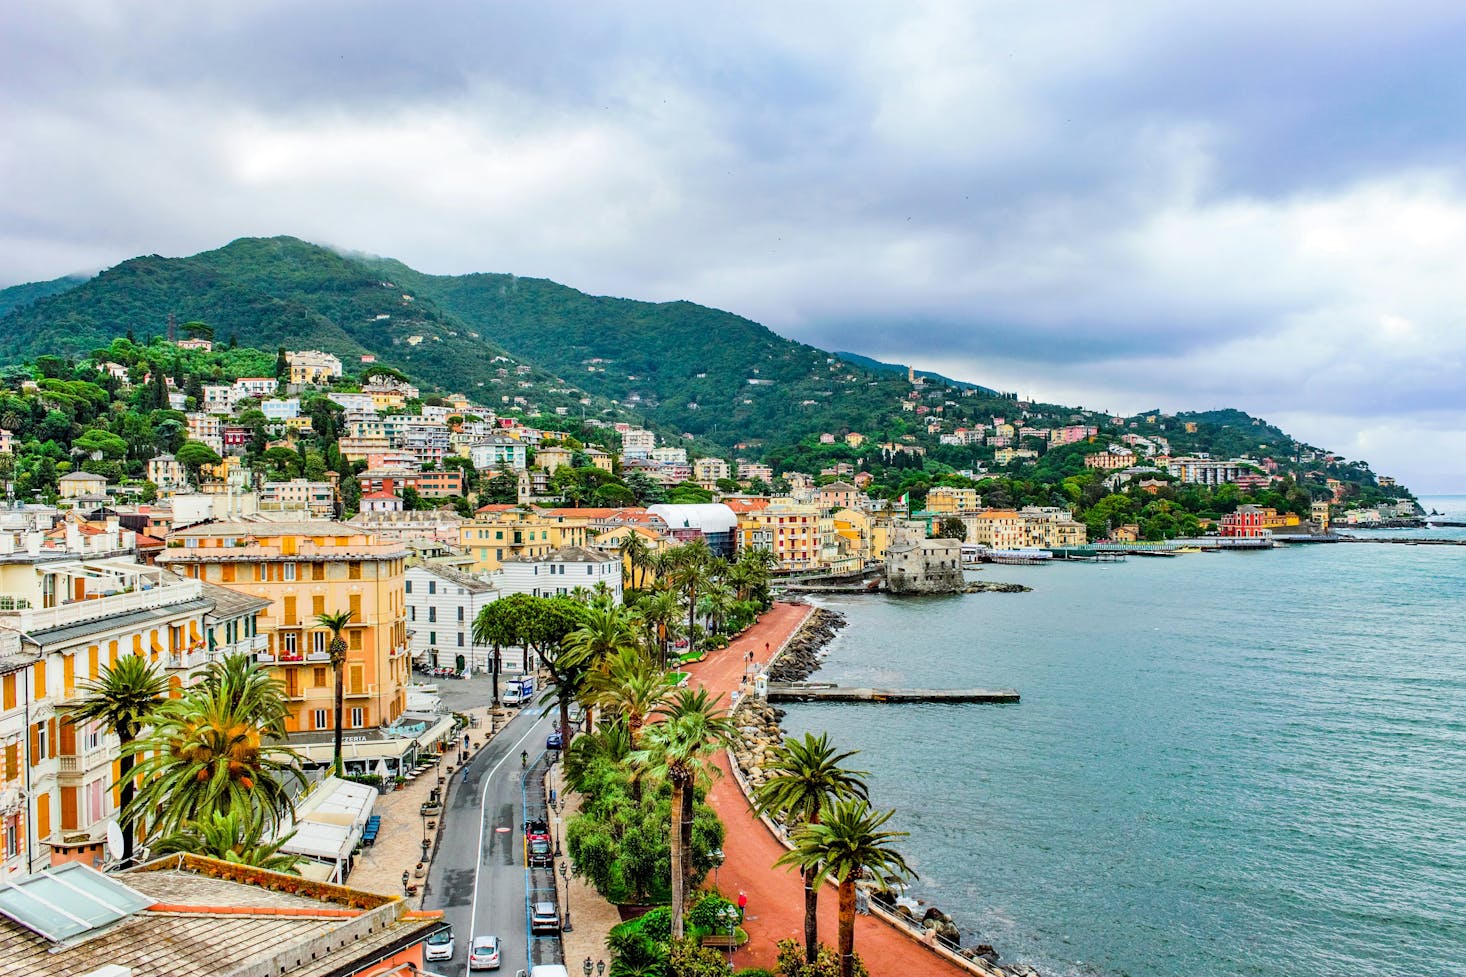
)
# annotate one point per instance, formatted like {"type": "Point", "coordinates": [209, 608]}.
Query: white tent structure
{"type": "Point", "coordinates": [328, 824]}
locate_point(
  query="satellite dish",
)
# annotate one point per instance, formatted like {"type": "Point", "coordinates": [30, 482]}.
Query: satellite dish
{"type": "Point", "coordinates": [115, 842]}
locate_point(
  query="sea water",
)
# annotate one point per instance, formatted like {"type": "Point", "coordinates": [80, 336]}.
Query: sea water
{"type": "Point", "coordinates": [1223, 763]}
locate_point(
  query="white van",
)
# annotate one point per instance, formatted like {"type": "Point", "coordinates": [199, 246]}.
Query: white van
{"type": "Point", "coordinates": [517, 691]}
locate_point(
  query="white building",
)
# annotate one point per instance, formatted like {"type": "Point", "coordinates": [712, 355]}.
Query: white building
{"type": "Point", "coordinates": [669, 456]}
{"type": "Point", "coordinates": [165, 472]}
{"type": "Point", "coordinates": [281, 409]}
{"type": "Point", "coordinates": [254, 387]}
{"type": "Point", "coordinates": [352, 401]}
{"type": "Point", "coordinates": [561, 571]}
{"type": "Point", "coordinates": [637, 443]}
{"type": "Point", "coordinates": [496, 450]}
{"type": "Point", "coordinates": [442, 604]}
{"type": "Point", "coordinates": [318, 498]}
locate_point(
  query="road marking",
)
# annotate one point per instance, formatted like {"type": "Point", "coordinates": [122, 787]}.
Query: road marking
{"type": "Point", "coordinates": [482, 820]}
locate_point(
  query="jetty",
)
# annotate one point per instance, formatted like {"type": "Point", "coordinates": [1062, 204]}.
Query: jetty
{"type": "Point", "coordinates": [829, 692]}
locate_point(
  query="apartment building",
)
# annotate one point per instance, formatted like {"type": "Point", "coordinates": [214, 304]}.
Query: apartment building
{"type": "Point", "coordinates": [947, 500]}
{"type": "Point", "coordinates": [496, 450]}
{"type": "Point", "coordinates": [998, 529]}
{"type": "Point", "coordinates": [709, 471]}
{"type": "Point", "coordinates": [799, 536]}
{"type": "Point", "coordinates": [299, 495]}
{"type": "Point", "coordinates": [442, 604]}
{"type": "Point", "coordinates": [501, 532]}
{"type": "Point", "coordinates": [559, 572]}
{"type": "Point", "coordinates": [311, 366]}
{"type": "Point", "coordinates": [306, 569]}
{"type": "Point", "coordinates": [70, 605]}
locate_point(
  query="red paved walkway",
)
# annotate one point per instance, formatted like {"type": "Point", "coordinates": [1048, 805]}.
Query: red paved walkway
{"type": "Point", "coordinates": [776, 895]}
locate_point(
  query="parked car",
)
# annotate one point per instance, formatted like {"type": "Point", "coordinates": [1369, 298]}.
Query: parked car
{"type": "Point", "coordinates": [440, 944]}
{"type": "Point", "coordinates": [544, 918]}
{"type": "Point", "coordinates": [484, 953]}
{"type": "Point", "coordinates": [537, 851]}
{"type": "Point", "coordinates": [555, 741]}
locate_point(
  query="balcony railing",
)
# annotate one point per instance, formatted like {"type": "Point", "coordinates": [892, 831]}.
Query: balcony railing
{"type": "Point", "coordinates": [88, 610]}
{"type": "Point", "coordinates": [79, 763]}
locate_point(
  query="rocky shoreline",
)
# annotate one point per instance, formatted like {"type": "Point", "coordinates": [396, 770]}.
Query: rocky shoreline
{"type": "Point", "coordinates": [760, 734]}
{"type": "Point", "coordinates": [801, 656]}
{"type": "Point", "coordinates": [994, 587]}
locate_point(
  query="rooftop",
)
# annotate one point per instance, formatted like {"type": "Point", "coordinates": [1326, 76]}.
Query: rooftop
{"type": "Point", "coordinates": [206, 918]}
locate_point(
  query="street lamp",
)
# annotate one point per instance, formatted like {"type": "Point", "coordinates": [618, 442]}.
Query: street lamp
{"type": "Point", "coordinates": [565, 874]}
{"type": "Point", "coordinates": [730, 917]}
{"type": "Point", "coordinates": [587, 967]}
{"type": "Point", "coordinates": [717, 855]}
{"type": "Point", "coordinates": [600, 968]}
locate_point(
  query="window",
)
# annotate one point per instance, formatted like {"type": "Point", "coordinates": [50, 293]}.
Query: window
{"type": "Point", "coordinates": [318, 641]}
{"type": "Point", "coordinates": [432, 615]}
{"type": "Point", "coordinates": [460, 614]}
{"type": "Point", "coordinates": [358, 718]}
{"type": "Point", "coordinates": [354, 605]}
{"type": "Point", "coordinates": [318, 605]}
{"type": "Point", "coordinates": [460, 639]}
{"type": "Point", "coordinates": [355, 640]}
{"type": "Point", "coordinates": [318, 677]}
{"type": "Point", "coordinates": [322, 720]}
{"type": "Point", "coordinates": [432, 586]}
{"type": "Point", "coordinates": [432, 637]}
{"type": "Point", "coordinates": [407, 586]}
{"type": "Point", "coordinates": [353, 570]}
{"type": "Point", "coordinates": [91, 737]}
{"type": "Point", "coordinates": [318, 571]}
{"type": "Point", "coordinates": [412, 612]}
{"type": "Point", "coordinates": [289, 639]}
{"type": "Point", "coordinates": [289, 571]}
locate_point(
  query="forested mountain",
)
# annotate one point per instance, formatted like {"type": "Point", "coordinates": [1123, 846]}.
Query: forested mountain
{"type": "Point", "coordinates": [17, 296]}
{"type": "Point", "coordinates": [735, 387]}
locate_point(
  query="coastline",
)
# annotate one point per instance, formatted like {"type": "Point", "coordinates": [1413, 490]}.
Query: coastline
{"type": "Point", "coordinates": [760, 733]}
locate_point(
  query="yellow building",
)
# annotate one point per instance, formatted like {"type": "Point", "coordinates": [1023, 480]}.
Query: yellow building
{"type": "Point", "coordinates": [998, 529]}
{"type": "Point", "coordinates": [865, 535]}
{"type": "Point", "coordinates": [1273, 519]}
{"type": "Point", "coordinates": [71, 605]}
{"type": "Point", "coordinates": [305, 569]}
{"type": "Point", "coordinates": [801, 537]}
{"type": "Point", "coordinates": [946, 500]}
{"type": "Point", "coordinates": [499, 532]}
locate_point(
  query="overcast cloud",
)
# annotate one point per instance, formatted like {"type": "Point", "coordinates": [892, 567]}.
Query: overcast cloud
{"type": "Point", "coordinates": [1124, 205]}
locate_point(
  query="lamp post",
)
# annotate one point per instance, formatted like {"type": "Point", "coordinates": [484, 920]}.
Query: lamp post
{"type": "Point", "coordinates": [587, 967]}
{"type": "Point", "coordinates": [730, 916]}
{"type": "Point", "coordinates": [565, 874]}
{"type": "Point", "coordinates": [717, 855]}
{"type": "Point", "coordinates": [600, 968]}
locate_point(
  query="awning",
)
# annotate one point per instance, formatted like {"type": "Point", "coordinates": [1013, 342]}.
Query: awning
{"type": "Point", "coordinates": [329, 820]}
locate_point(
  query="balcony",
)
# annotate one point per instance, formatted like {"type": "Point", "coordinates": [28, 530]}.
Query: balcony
{"type": "Point", "coordinates": [75, 765]}
{"type": "Point", "coordinates": [112, 605]}
{"type": "Point", "coordinates": [191, 658]}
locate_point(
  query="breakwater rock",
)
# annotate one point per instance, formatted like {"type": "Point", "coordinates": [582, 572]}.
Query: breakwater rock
{"type": "Point", "coordinates": [800, 658]}
{"type": "Point", "coordinates": [994, 587]}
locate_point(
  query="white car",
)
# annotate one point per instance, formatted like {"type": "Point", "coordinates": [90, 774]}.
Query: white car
{"type": "Point", "coordinates": [483, 953]}
{"type": "Point", "coordinates": [440, 944]}
{"type": "Point", "coordinates": [544, 918]}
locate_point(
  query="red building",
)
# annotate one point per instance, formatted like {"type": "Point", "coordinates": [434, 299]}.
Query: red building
{"type": "Point", "coordinates": [1245, 522]}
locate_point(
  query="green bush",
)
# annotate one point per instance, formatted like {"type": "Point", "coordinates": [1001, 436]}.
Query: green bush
{"type": "Point", "coordinates": [707, 914]}
{"type": "Point", "coordinates": [754, 972]}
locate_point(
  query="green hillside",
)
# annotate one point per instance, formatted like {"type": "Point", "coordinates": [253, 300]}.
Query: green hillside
{"type": "Point", "coordinates": [17, 296]}
{"type": "Point", "coordinates": [736, 387]}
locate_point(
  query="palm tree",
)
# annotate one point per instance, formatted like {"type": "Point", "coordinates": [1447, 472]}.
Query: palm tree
{"type": "Point", "coordinates": [234, 836]}
{"type": "Point", "coordinates": [689, 575]}
{"type": "Point", "coordinates": [123, 700]}
{"type": "Point", "coordinates": [209, 752]}
{"type": "Point", "coordinates": [632, 687]}
{"type": "Point", "coordinates": [336, 623]}
{"type": "Point", "coordinates": [846, 845]}
{"type": "Point", "coordinates": [605, 631]}
{"type": "Point", "coordinates": [636, 551]}
{"type": "Point", "coordinates": [610, 744]}
{"type": "Point", "coordinates": [679, 747]}
{"type": "Point", "coordinates": [805, 776]}
{"type": "Point", "coordinates": [716, 603]}
{"type": "Point", "coordinates": [661, 611]}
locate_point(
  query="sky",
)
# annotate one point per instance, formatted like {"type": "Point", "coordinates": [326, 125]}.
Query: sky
{"type": "Point", "coordinates": [1122, 206]}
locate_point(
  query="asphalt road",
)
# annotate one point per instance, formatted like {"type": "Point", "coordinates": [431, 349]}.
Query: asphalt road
{"type": "Point", "coordinates": [478, 876]}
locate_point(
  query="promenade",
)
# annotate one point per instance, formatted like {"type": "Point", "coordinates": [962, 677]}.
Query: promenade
{"type": "Point", "coordinates": [776, 895]}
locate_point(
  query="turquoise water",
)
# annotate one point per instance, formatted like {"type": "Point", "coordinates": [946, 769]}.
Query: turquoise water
{"type": "Point", "coordinates": [1249, 763]}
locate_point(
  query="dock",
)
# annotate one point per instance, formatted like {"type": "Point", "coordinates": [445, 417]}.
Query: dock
{"type": "Point", "coordinates": [829, 692]}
